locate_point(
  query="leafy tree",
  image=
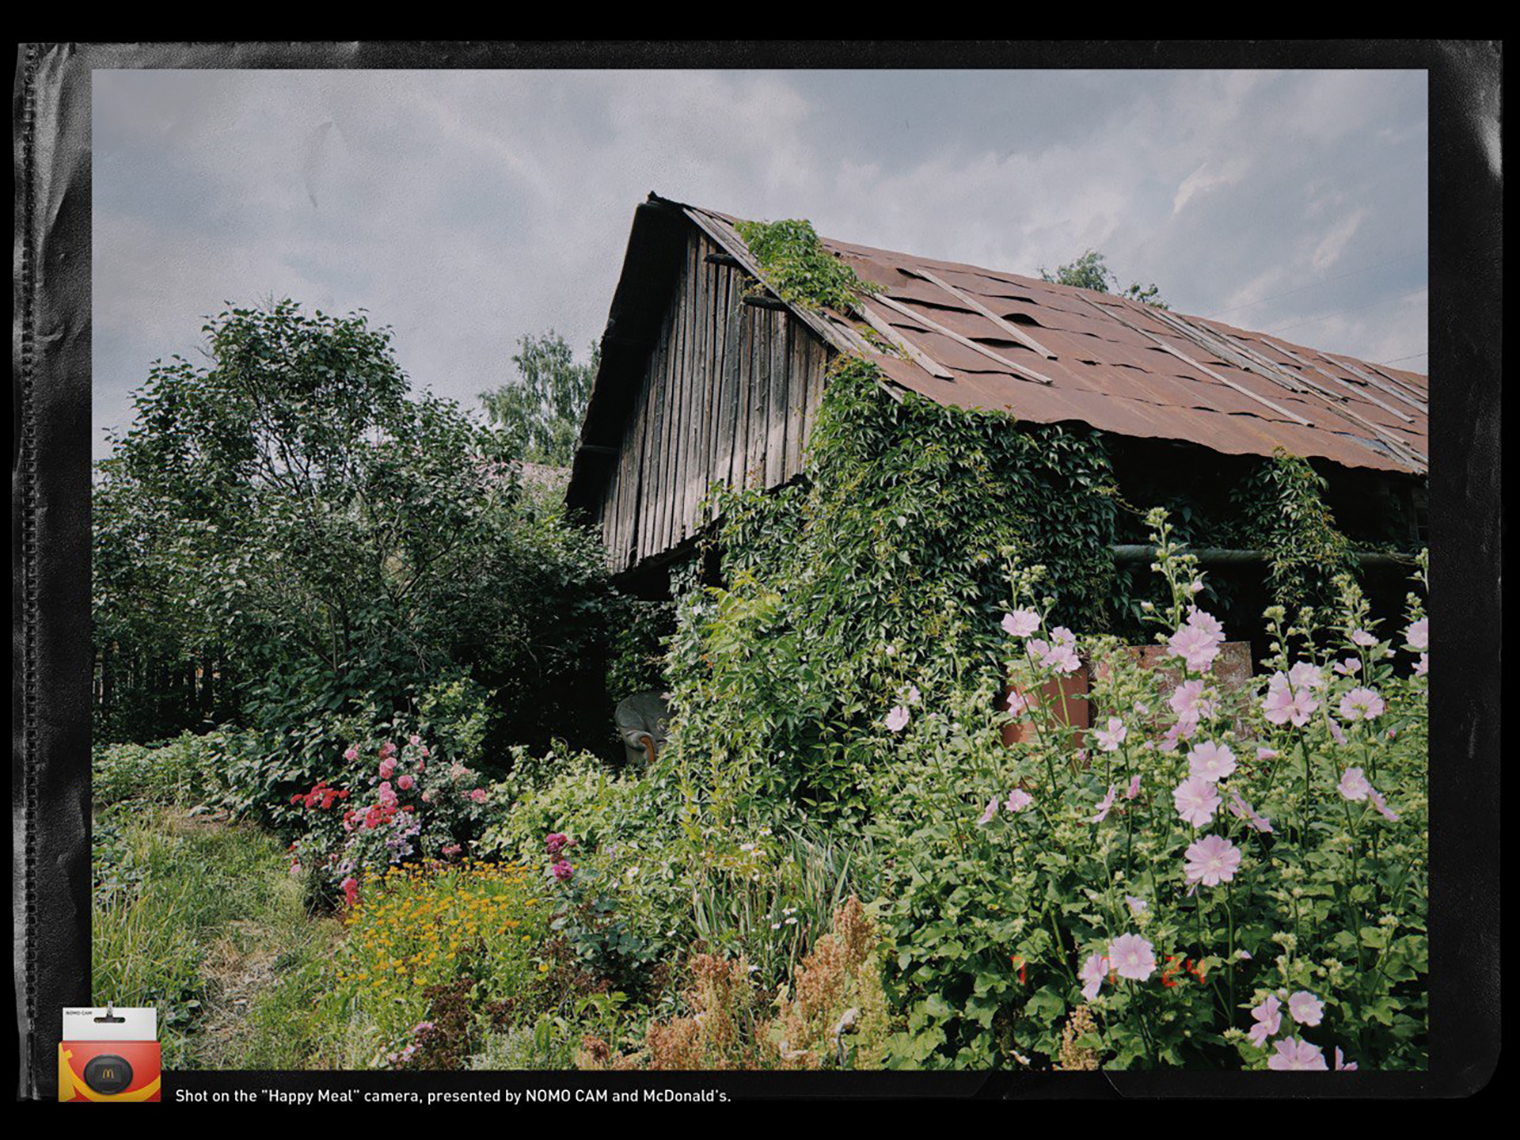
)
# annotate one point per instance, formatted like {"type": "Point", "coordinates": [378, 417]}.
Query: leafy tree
{"type": "Point", "coordinates": [540, 412]}
{"type": "Point", "coordinates": [342, 544]}
{"type": "Point", "coordinates": [1091, 271]}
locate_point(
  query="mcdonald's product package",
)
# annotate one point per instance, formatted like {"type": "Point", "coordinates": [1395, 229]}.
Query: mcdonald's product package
{"type": "Point", "coordinates": [109, 1054]}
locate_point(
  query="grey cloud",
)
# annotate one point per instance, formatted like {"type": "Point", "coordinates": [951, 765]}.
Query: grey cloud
{"type": "Point", "coordinates": [468, 208]}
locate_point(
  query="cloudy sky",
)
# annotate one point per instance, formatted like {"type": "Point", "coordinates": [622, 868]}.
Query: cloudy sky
{"type": "Point", "coordinates": [466, 209]}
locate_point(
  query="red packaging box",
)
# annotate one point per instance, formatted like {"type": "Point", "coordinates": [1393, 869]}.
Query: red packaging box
{"type": "Point", "coordinates": [109, 1054]}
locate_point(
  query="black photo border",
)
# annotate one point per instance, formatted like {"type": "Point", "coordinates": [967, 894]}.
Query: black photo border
{"type": "Point", "coordinates": [50, 513]}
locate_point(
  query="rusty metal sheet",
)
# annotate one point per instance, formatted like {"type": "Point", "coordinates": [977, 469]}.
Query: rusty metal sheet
{"type": "Point", "coordinates": [1242, 393]}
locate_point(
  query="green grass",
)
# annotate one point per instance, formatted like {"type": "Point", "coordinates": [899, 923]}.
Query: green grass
{"type": "Point", "coordinates": [201, 919]}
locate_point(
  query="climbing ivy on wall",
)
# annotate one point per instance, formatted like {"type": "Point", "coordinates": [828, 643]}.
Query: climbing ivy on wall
{"type": "Point", "coordinates": [1282, 510]}
{"type": "Point", "coordinates": [890, 560]}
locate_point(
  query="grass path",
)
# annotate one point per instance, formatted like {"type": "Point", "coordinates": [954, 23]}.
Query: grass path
{"type": "Point", "coordinates": [202, 919]}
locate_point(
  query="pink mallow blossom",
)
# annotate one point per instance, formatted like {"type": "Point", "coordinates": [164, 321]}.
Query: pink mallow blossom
{"type": "Point", "coordinates": [1093, 971]}
{"type": "Point", "coordinates": [897, 719]}
{"type": "Point", "coordinates": [1294, 1055]}
{"type": "Point", "coordinates": [989, 814]}
{"type": "Point", "coordinates": [1353, 785]}
{"type": "Point", "coordinates": [1196, 800]}
{"type": "Point", "coordinates": [1342, 1065]}
{"type": "Point", "coordinates": [1134, 788]}
{"type": "Point", "coordinates": [1112, 736]}
{"type": "Point", "coordinates": [1211, 861]}
{"type": "Point", "coordinates": [1132, 957]}
{"type": "Point", "coordinates": [1361, 704]}
{"type": "Point", "coordinates": [1195, 646]}
{"type": "Point", "coordinates": [1305, 1008]}
{"type": "Point", "coordinates": [1104, 805]}
{"type": "Point", "coordinates": [1417, 636]}
{"type": "Point", "coordinates": [1021, 623]}
{"type": "Point", "coordinates": [1363, 638]}
{"type": "Point", "coordinates": [1210, 761]}
{"type": "Point", "coordinates": [1242, 809]}
{"type": "Point", "coordinates": [1382, 805]}
{"type": "Point", "coordinates": [1267, 1019]}
{"type": "Point", "coordinates": [1017, 800]}
{"type": "Point", "coordinates": [1422, 666]}
{"type": "Point", "coordinates": [1284, 703]}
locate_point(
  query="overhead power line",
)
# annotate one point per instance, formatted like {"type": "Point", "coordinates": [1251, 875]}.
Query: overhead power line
{"type": "Point", "coordinates": [1351, 309]}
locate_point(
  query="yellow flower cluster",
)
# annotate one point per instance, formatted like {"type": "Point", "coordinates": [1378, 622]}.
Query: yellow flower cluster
{"type": "Point", "coordinates": [419, 926]}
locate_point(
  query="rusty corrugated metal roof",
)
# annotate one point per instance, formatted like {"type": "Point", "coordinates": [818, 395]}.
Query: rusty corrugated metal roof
{"type": "Point", "coordinates": [979, 338]}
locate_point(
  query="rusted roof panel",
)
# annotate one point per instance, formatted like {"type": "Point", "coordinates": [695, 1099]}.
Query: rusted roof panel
{"type": "Point", "coordinates": [1122, 366]}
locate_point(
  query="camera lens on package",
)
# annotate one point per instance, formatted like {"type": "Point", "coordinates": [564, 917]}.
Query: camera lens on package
{"type": "Point", "coordinates": [109, 1054]}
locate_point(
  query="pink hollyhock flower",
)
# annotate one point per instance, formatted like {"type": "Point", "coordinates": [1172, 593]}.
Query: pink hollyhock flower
{"type": "Point", "coordinates": [1210, 761]}
{"type": "Point", "coordinates": [897, 719]}
{"type": "Point", "coordinates": [1242, 809]}
{"type": "Point", "coordinates": [1093, 971]}
{"type": "Point", "coordinates": [1017, 800]}
{"type": "Point", "coordinates": [1305, 1008]}
{"type": "Point", "coordinates": [1422, 666]}
{"type": "Point", "coordinates": [1417, 636]}
{"type": "Point", "coordinates": [1103, 806]}
{"type": "Point", "coordinates": [1211, 861]}
{"type": "Point", "coordinates": [1059, 656]}
{"type": "Point", "coordinates": [404, 783]}
{"type": "Point", "coordinates": [1363, 638]}
{"type": "Point", "coordinates": [1205, 621]}
{"type": "Point", "coordinates": [1349, 667]}
{"type": "Point", "coordinates": [989, 814]}
{"type": "Point", "coordinates": [1294, 1055]}
{"type": "Point", "coordinates": [1195, 800]}
{"type": "Point", "coordinates": [478, 795]}
{"type": "Point", "coordinates": [1111, 737]}
{"type": "Point", "coordinates": [1192, 699]}
{"type": "Point", "coordinates": [1382, 805]}
{"type": "Point", "coordinates": [1194, 646]}
{"type": "Point", "coordinates": [1268, 1019]}
{"type": "Point", "coordinates": [1342, 1066]}
{"type": "Point", "coordinates": [1132, 957]}
{"type": "Point", "coordinates": [1353, 784]}
{"type": "Point", "coordinates": [1021, 623]}
{"type": "Point", "coordinates": [1361, 704]}
{"type": "Point", "coordinates": [1134, 788]}
{"type": "Point", "coordinates": [1306, 675]}
{"type": "Point", "coordinates": [1284, 703]}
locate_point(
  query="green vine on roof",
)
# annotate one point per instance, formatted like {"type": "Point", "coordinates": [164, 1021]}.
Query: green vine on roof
{"type": "Point", "coordinates": [796, 265]}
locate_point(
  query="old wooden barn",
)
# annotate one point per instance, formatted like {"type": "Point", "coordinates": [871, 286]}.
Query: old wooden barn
{"type": "Point", "coordinates": [708, 376]}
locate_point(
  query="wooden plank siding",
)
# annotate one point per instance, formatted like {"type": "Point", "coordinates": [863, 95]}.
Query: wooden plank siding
{"type": "Point", "coordinates": [728, 395]}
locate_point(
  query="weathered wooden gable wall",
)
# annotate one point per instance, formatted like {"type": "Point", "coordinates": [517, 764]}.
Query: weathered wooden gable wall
{"type": "Point", "coordinates": [729, 395]}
